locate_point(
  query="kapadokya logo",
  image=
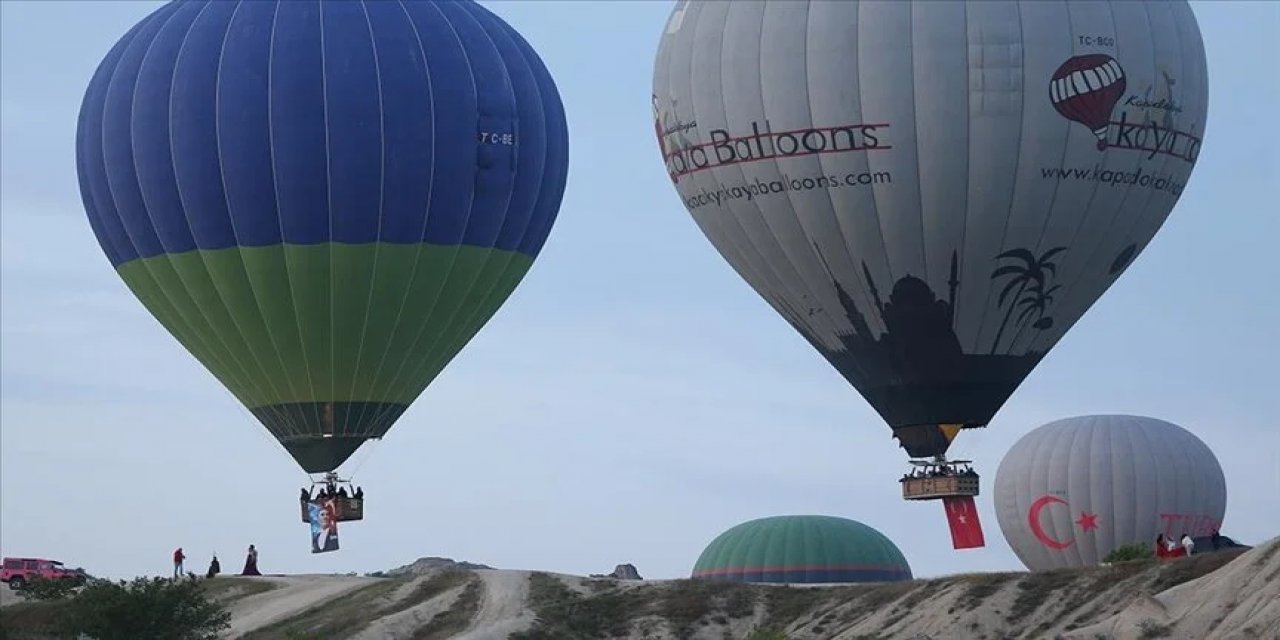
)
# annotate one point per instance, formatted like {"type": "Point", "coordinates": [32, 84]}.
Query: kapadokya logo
{"type": "Point", "coordinates": [672, 133]}
{"type": "Point", "coordinates": [1088, 88]}
{"type": "Point", "coordinates": [1087, 522]}
{"type": "Point", "coordinates": [1085, 89]}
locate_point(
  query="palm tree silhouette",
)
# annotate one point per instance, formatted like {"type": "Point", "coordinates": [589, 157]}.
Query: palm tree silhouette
{"type": "Point", "coordinates": [1029, 272]}
{"type": "Point", "coordinates": [1037, 301]}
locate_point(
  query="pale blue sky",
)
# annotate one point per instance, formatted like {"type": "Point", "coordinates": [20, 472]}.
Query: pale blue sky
{"type": "Point", "coordinates": [633, 398]}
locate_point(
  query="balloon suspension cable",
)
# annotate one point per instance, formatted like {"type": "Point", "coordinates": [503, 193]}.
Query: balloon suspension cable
{"type": "Point", "coordinates": [257, 427]}
{"type": "Point", "coordinates": [332, 478]}
{"type": "Point", "coordinates": [364, 455]}
{"type": "Point", "coordinates": [939, 460]}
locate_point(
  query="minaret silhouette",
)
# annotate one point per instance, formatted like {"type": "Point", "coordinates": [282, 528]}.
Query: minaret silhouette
{"type": "Point", "coordinates": [855, 317]}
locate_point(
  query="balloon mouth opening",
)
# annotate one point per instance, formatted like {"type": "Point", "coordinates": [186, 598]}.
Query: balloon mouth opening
{"type": "Point", "coordinates": [1101, 134]}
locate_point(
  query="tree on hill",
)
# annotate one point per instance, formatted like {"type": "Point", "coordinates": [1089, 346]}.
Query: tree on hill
{"type": "Point", "coordinates": [156, 608]}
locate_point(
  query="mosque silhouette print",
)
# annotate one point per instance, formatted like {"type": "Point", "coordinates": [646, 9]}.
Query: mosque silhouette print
{"type": "Point", "coordinates": [915, 373]}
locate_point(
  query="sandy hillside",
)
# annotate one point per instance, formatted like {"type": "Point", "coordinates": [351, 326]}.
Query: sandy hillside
{"type": "Point", "coordinates": [290, 595]}
{"type": "Point", "coordinates": [1240, 600]}
{"type": "Point", "coordinates": [1227, 596]}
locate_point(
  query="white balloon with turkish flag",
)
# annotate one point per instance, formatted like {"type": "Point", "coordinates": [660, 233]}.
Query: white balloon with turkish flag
{"type": "Point", "coordinates": [1070, 492]}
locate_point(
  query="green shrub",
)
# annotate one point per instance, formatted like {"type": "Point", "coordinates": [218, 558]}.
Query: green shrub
{"type": "Point", "coordinates": [153, 608]}
{"type": "Point", "coordinates": [41, 589]}
{"type": "Point", "coordinates": [1125, 553]}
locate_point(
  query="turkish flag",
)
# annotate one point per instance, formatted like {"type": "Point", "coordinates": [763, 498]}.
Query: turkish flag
{"type": "Point", "coordinates": [962, 516]}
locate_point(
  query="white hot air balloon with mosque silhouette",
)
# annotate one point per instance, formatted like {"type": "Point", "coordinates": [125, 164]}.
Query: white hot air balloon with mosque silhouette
{"type": "Point", "coordinates": [931, 193]}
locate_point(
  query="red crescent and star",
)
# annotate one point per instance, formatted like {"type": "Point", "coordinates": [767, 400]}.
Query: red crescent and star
{"type": "Point", "coordinates": [1087, 522]}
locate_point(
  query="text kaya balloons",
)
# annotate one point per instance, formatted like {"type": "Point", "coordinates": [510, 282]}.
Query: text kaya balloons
{"type": "Point", "coordinates": [1071, 491]}
{"type": "Point", "coordinates": [932, 193]}
{"type": "Point", "coordinates": [322, 201]}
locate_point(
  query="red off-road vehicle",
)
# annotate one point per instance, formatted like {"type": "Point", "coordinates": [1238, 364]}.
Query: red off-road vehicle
{"type": "Point", "coordinates": [19, 571]}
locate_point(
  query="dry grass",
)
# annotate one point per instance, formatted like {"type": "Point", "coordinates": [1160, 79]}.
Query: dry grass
{"type": "Point", "coordinates": [357, 609]}
{"type": "Point", "coordinates": [459, 616]}
{"type": "Point", "coordinates": [980, 586]}
{"type": "Point", "coordinates": [564, 614]}
{"type": "Point", "coordinates": [430, 588]}
{"type": "Point", "coordinates": [336, 618]}
{"type": "Point", "coordinates": [226, 590]}
{"type": "Point", "coordinates": [1035, 589]}
{"type": "Point", "coordinates": [1180, 570]}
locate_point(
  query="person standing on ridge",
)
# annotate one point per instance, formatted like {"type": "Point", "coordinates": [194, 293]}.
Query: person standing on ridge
{"type": "Point", "coordinates": [178, 557]}
{"type": "Point", "coordinates": [251, 563]}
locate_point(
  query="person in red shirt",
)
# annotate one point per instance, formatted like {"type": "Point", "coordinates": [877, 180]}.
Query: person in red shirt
{"type": "Point", "coordinates": [178, 557]}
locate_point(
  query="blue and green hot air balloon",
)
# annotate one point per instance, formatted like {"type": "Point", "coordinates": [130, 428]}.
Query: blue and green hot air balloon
{"type": "Point", "coordinates": [322, 201]}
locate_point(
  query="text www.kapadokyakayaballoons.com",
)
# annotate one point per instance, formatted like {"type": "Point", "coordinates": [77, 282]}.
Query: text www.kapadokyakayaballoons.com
{"type": "Point", "coordinates": [751, 190]}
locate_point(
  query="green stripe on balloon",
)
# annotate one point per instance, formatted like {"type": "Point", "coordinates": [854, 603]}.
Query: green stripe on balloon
{"type": "Point", "coordinates": [326, 323]}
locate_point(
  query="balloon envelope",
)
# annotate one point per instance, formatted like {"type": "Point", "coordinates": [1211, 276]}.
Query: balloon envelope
{"type": "Point", "coordinates": [931, 193]}
{"type": "Point", "coordinates": [322, 201]}
{"type": "Point", "coordinates": [1071, 491]}
{"type": "Point", "coordinates": [802, 549]}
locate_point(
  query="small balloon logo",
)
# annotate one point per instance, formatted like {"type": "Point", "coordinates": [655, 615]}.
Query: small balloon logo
{"type": "Point", "coordinates": [1085, 89]}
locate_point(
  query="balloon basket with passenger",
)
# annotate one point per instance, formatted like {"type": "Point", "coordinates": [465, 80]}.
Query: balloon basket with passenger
{"type": "Point", "coordinates": [939, 478]}
{"type": "Point", "coordinates": [347, 499]}
{"type": "Point", "coordinates": [336, 501]}
{"type": "Point", "coordinates": [955, 483]}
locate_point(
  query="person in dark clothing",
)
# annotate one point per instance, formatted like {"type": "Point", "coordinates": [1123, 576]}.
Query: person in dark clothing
{"type": "Point", "coordinates": [342, 492]}
{"type": "Point", "coordinates": [214, 567]}
{"type": "Point", "coordinates": [251, 563]}
{"type": "Point", "coordinates": [359, 493]}
{"type": "Point", "coordinates": [306, 495]}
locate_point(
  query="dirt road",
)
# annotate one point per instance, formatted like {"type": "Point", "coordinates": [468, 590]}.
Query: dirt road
{"type": "Point", "coordinates": [294, 595]}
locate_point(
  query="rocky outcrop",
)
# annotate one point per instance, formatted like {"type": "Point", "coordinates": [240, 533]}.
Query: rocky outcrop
{"type": "Point", "coordinates": [433, 564]}
{"type": "Point", "coordinates": [621, 572]}
{"type": "Point", "coordinates": [625, 572]}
